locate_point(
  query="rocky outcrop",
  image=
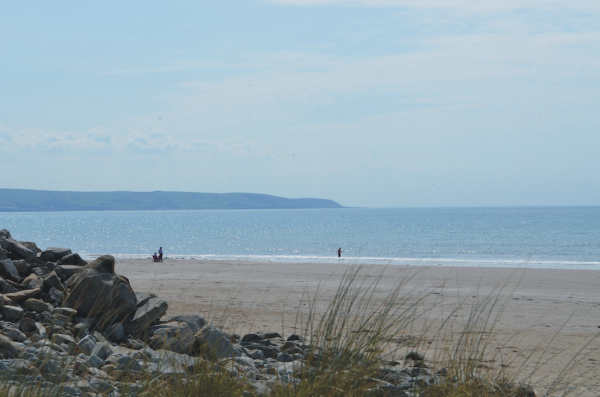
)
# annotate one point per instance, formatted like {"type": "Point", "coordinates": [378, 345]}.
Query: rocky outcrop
{"type": "Point", "coordinates": [100, 294]}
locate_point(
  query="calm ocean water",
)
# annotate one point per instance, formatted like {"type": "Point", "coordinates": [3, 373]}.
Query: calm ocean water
{"type": "Point", "coordinates": [513, 237]}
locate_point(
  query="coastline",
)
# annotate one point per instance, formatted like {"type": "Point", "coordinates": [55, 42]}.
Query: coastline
{"type": "Point", "coordinates": [538, 305]}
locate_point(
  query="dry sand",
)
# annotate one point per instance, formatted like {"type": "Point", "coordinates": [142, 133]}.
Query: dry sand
{"type": "Point", "coordinates": [547, 315]}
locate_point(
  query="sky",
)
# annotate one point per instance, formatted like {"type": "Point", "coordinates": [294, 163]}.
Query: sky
{"type": "Point", "coordinates": [367, 102]}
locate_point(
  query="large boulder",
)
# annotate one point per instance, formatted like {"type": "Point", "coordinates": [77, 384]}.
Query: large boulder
{"type": "Point", "coordinates": [31, 246]}
{"type": "Point", "coordinates": [54, 254]}
{"type": "Point", "coordinates": [5, 234]}
{"type": "Point", "coordinates": [146, 314]}
{"type": "Point", "coordinates": [66, 271]}
{"type": "Point", "coordinates": [218, 342]}
{"type": "Point", "coordinates": [16, 250]}
{"type": "Point", "coordinates": [72, 259]}
{"type": "Point", "coordinates": [104, 296]}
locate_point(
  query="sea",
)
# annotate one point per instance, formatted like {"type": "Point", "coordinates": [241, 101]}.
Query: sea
{"type": "Point", "coordinates": [530, 237]}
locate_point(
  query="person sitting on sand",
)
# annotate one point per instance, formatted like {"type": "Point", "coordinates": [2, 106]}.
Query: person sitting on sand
{"type": "Point", "coordinates": [154, 257]}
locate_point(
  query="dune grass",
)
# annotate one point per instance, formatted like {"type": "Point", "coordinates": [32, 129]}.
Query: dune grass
{"type": "Point", "coordinates": [356, 334]}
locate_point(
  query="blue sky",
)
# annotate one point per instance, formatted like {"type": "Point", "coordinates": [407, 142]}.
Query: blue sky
{"type": "Point", "coordinates": [368, 102]}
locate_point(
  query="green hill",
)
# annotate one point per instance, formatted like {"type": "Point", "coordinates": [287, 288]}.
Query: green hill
{"type": "Point", "coordinates": [42, 200]}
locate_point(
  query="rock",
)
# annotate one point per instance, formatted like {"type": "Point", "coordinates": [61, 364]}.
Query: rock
{"type": "Point", "coordinates": [143, 297]}
{"type": "Point", "coordinates": [63, 339]}
{"type": "Point", "coordinates": [11, 313]}
{"type": "Point", "coordinates": [295, 337]}
{"type": "Point", "coordinates": [36, 305]}
{"type": "Point", "coordinates": [66, 271]}
{"type": "Point", "coordinates": [218, 342]}
{"type": "Point", "coordinates": [256, 354]}
{"type": "Point", "coordinates": [71, 260]}
{"type": "Point", "coordinates": [6, 287]}
{"type": "Point", "coordinates": [31, 246]}
{"type": "Point", "coordinates": [27, 325]}
{"type": "Point", "coordinates": [5, 234]}
{"type": "Point", "coordinates": [5, 301]}
{"type": "Point", "coordinates": [86, 344]}
{"type": "Point", "coordinates": [52, 280]}
{"type": "Point", "coordinates": [249, 338]}
{"type": "Point", "coordinates": [194, 321]}
{"type": "Point", "coordinates": [106, 297]}
{"type": "Point", "coordinates": [271, 335]}
{"type": "Point", "coordinates": [11, 330]}
{"type": "Point", "coordinates": [54, 254]}
{"type": "Point", "coordinates": [56, 296]}
{"type": "Point", "coordinates": [285, 357]}
{"type": "Point", "coordinates": [145, 315]}
{"type": "Point", "coordinates": [23, 268]}
{"type": "Point", "coordinates": [21, 296]}
{"type": "Point", "coordinates": [65, 311]}
{"type": "Point", "coordinates": [94, 361]}
{"type": "Point", "coordinates": [176, 336]}
{"type": "Point", "coordinates": [32, 281]}
{"type": "Point", "coordinates": [8, 348]}
{"type": "Point", "coordinates": [102, 350]}
{"type": "Point", "coordinates": [124, 362]}
{"type": "Point", "coordinates": [8, 270]}
{"type": "Point", "coordinates": [116, 333]}
{"type": "Point", "coordinates": [103, 264]}
{"type": "Point", "coordinates": [15, 249]}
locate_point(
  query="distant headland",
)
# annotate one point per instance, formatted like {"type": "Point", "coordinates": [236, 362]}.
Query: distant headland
{"type": "Point", "coordinates": [46, 200]}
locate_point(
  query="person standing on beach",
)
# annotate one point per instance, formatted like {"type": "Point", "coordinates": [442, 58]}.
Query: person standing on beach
{"type": "Point", "coordinates": [160, 254]}
{"type": "Point", "coordinates": [339, 252]}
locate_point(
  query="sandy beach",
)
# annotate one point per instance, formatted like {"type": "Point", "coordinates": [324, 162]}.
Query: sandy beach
{"type": "Point", "coordinates": [547, 315]}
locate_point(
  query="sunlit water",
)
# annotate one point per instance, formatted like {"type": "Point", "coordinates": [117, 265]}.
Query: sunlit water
{"type": "Point", "coordinates": [513, 237]}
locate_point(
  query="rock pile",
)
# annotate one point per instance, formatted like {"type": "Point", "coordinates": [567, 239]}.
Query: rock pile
{"type": "Point", "coordinates": [77, 328]}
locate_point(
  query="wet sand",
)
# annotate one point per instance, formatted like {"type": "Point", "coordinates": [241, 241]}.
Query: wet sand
{"type": "Point", "coordinates": [547, 315]}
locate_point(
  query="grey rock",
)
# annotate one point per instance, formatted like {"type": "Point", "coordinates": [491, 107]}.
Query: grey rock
{"type": "Point", "coordinates": [65, 311]}
{"type": "Point", "coordinates": [94, 361]}
{"type": "Point", "coordinates": [194, 321]}
{"type": "Point", "coordinates": [52, 280]}
{"type": "Point", "coordinates": [6, 287]}
{"type": "Point", "coordinates": [63, 339]}
{"type": "Point", "coordinates": [31, 246]}
{"type": "Point", "coordinates": [11, 330]}
{"type": "Point", "coordinates": [23, 268]}
{"type": "Point", "coordinates": [285, 357]}
{"type": "Point", "coordinates": [65, 272]}
{"type": "Point", "coordinates": [53, 254]}
{"type": "Point", "coordinates": [295, 337]}
{"type": "Point", "coordinates": [16, 250]}
{"type": "Point", "coordinates": [100, 386]}
{"type": "Point", "coordinates": [72, 260]}
{"type": "Point", "coordinates": [8, 348]}
{"type": "Point", "coordinates": [218, 342]}
{"type": "Point", "coordinates": [5, 234]}
{"type": "Point", "coordinates": [256, 354]}
{"type": "Point", "coordinates": [27, 325]}
{"type": "Point", "coordinates": [105, 297]}
{"type": "Point", "coordinates": [145, 315]}
{"type": "Point", "coordinates": [102, 350]}
{"type": "Point", "coordinates": [36, 305]}
{"type": "Point", "coordinates": [103, 264]}
{"type": "Point", "coordinates": [176, 336]}
{"type": "Point", "coordinates": [124, 362]}
{"type": "Point", "coordinates": [116, 333]}
{"type": "Point", "coordinates": [21, 296]}
{"type": "Point", "coordinates": [142, 297]}
{"type": "Point", "coordinates": [32, 281]}
{"type": "Point", "coordinates": [8, 270]}
{"type": "Point", "coordinates": [248, 338]}
{"type": "Point", "coordinates": [11, 313]}
{"type": "Point", "coordinates": [87, 344]}
{"type": "Point", "coordinates": [56, 295]}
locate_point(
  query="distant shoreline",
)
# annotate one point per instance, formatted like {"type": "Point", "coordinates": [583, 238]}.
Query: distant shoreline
{"type": "Point", "coordinates": [26, 200]}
